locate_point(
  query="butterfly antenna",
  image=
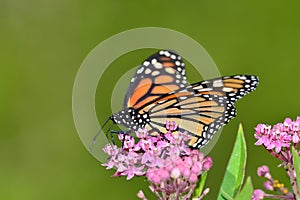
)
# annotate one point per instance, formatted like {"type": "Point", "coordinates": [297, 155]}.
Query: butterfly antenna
{"type": "Point", "coordinates": [98, 133]}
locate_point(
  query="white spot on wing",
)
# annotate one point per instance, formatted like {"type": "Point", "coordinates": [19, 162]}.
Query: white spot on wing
{"type": "Point", "coordinates": [218, 83]}
{"type": "Point", "coordinates": [170, 70]}
{"type": "Point", "coordinates": [153, 61]}
{"type": "Point", "coordinates": [206, 89]}
{"type": "Point", "coordinates": [155, 73]}
{"type": "Point", "coordinates": [140, 70]}
{"type": "Point", "coordinates": [227, 89]}
{"type": "Point", "coordinates": [148, 71]}
{"type": "Point", "coordinates": [158, 65]}
{"type": "Point", "coordinates": [146, 63]}
{"type": "Point", "coordinates": [198, 87]}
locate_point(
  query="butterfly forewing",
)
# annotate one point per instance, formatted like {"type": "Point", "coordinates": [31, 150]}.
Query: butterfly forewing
{"type": "Point", "coordinates": [160, 74]}
{"type": "Point", "coordinates": [233, 87]}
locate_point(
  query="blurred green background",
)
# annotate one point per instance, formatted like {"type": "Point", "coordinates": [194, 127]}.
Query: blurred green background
{"type": "Point", "coordinates": [43, 43]}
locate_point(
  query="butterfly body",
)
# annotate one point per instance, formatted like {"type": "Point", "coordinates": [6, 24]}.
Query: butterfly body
{"type": "Point", "coordinates": [159, 92]}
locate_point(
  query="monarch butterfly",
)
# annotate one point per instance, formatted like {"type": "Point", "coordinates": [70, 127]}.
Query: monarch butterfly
{"type": "Point", "coordinates": [159, 92]}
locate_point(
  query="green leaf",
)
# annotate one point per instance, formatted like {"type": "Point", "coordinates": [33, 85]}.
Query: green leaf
{"type": "Point", "coordinates": [296, 166]}
{"type": "Point", "coordinates": [246, 192]}
{"type": "Point", "coordinates": [235, 170]}
{"type": "Point", "coordinates": [200, 185]}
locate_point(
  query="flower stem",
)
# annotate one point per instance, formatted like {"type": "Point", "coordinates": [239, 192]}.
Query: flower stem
{"type": "Point", "coordinates": [292, 174]}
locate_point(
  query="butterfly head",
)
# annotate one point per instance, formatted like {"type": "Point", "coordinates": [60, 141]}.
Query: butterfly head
{"type": "Point", "coordinates": [129, 118]}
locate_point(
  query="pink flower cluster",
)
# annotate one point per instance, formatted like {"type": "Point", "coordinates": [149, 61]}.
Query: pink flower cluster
{"type": "Point", "coordinates": [280, 136]}
{"type": "Point", "coordinates": [186, 168]}
{"type": "Point", "coordinates": [279, 140]}
{"type": "Point", "coordinates": [271, 185]}
{"type": "Point", "coordinates": [171, 167]}
{"type": "Point", "coordinates": [179, 175]}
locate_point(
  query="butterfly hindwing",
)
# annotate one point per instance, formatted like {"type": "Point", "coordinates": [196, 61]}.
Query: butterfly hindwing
{"type": "Point", "coordinates": [201, 115]}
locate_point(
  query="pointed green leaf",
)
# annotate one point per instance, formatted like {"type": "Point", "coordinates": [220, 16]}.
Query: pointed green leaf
{"type": "Point", "coordinates": [235, 170]}
{"type": "Point", "coordinates": [246, 192]}
{"type": "Point", "coordinates": [297, 167]}
{"type": "Point", "coordinates": [200, 185]}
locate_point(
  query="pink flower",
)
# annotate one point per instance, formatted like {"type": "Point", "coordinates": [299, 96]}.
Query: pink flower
{"type": "Point", "coordinates": [128, 142]}
{"type": "Point", "coordinates": [207, 163]}
{"type": "Point", "coordinates": [164, 174]}
{"type": "Point", "coordinates": [154, 176]}
{"type": "Point", "coordinates": [268, 185]}
{"type": "Point", "coordinates": [175, 173]}
{"type": "Point", "coordinates": [171, 126]}
{"type": "Point", "coordinates": [263, 170]}
{"type": "Point", "coordinates": [197, 167]}
{"type": "Point", "coordinates": [147, 144]}
{"type": "Point", "coordinates": [287, 125]}
{"type": "Point", "coordinates": [193, 178]}
{"type": "Point", "coordinates": [141, 195]}
{"type": "Point", "coordinates": [258, 195]}
{"type": "Point", "coordinates": [142, 133]}
{"type": "Point", "coordinates": [186, 172]}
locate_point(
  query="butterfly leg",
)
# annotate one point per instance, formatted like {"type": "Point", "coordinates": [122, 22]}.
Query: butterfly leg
{"type": "Point", "coordinates": [112, 132]}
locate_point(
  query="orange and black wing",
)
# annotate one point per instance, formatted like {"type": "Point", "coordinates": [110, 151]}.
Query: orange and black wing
{"type": "Point", "coordinates": [160, 74]}
{"type": "Point", "coordinates": [200, 109]}
{"type": "Point", "coordinates": [200, 115]}
{"type": "Point", "coordinates": [232, 87]}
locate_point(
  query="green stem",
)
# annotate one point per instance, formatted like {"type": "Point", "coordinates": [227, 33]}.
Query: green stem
{"type": "Point", "coordinates": [291, 174]}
